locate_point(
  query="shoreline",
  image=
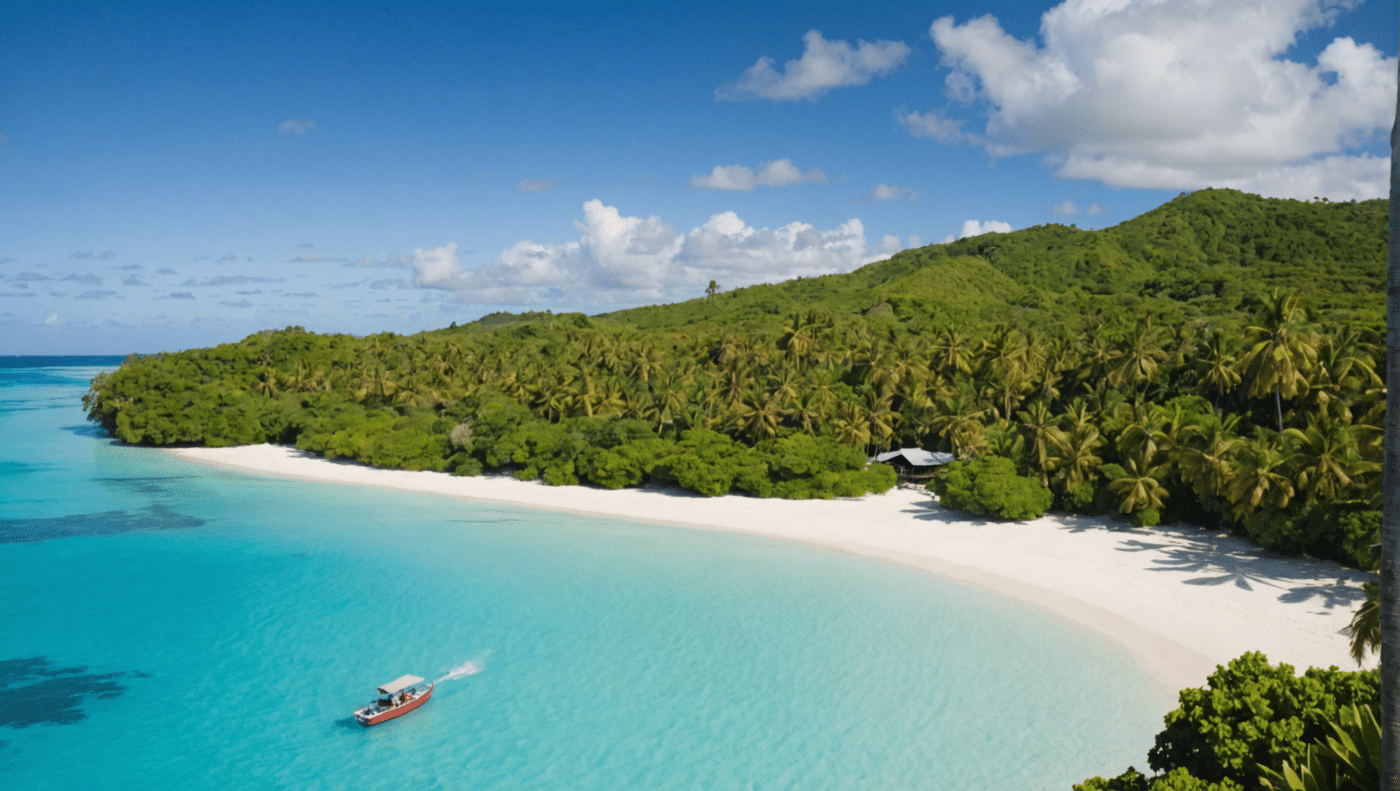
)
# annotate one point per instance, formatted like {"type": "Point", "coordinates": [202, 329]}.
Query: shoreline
{"type": "Point", "coordinates": [1180, 599]}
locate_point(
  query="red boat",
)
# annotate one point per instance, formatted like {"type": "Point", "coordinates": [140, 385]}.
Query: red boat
{"type": "Point", "coordinates": [397, 698]}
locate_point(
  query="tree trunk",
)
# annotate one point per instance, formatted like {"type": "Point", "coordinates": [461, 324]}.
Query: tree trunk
{"type": "Point", "coordinates": [1390, 520]}
{"type": "Point", "coordinates": [1278, 410]}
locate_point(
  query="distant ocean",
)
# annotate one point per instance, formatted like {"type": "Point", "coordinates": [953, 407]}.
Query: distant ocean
{"type": "Point", "coordinates": [169, 626]}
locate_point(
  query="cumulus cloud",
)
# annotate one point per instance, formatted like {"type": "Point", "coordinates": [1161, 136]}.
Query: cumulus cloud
{"type": "Point", "coordinates": [976, 228]}
{"type": "Point", "coordinates": [226, 257]}
{"type": "Point", "coordinates": [106, 255]}
{"type": "Point", "coordinates": [1143, 93]}
{"type": "Point", "coordinates": [538, 185]}
{"type": "Point", "coordinates": [1095, 208]}
{"type": "Point", "coordinates": [133, 280]}
{"type": "Point", "coordinates": [88, 279]}
{"type": "Point", "coordinates": [887, 192]}
{"type": "Point", "coordinates": [743, 179]}
{"type": "Point", "coordinates": [32, 277]}
{"type": "Point", "coordinates": [126, 267]}
{"type": "Point", "coordinates": [620, 258]}
{"type": "Point", "coordinates": [95, 295]}
{"type": "Point", "coordinates": [1066, 208]}
{"type": "Point", "coordinates": [293, 126]}
{"type": "Point", "coordinates": [178, 295]}
{"type": "Point", "coordinates": [242, 303]}
{"type": "Point", "coordinates": [81, 254]}
{"type": "Point", "coordinates": [824, 65]}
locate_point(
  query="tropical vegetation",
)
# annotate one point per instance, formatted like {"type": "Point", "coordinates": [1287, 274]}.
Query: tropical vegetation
{"type": "Point", "coordinates": [1214, 361]}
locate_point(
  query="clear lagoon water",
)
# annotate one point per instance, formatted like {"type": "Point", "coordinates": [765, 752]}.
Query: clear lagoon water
{"type": "Point", "coordinates": [172, 626]}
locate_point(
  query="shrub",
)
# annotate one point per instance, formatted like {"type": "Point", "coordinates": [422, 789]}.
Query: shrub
{"type": "Point", "coordinates": [989, 485]}
{"type": "Point", "coordinates": [1250, 714]}
{"type": "Point", "coordinates": [1253, 714]}
{"type": "Point", "coordinates": [1147, 517]}
{"type": "Point", "coordinates": [1340, 531]}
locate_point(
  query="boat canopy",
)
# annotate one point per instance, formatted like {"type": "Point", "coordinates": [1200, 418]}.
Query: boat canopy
{"type": "Point", "coordinates": [400, 684]}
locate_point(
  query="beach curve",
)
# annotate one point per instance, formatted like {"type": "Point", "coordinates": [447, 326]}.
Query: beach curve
{"type": "Point", "coordinates": [1181, 599]}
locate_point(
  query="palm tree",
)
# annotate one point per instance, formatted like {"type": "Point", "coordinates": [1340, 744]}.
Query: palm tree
{"type": "Point", "coordinates": [1138, 357]}
{"type": "Point", "coordinates": [1140, 490]}
{"type": "Point", "coordinates": [1280, 346]}
{"type": "Point", "coordinates": [1259, 477]}
{"type": "Point", "coordinates": [1204, 459]}
{"type": "Point", "coordinates": [1365, 627]}
{"type": "Point", "coordinates": [1042, 435]}
{"type": "Point", "coordinates": [1075, 461]}
{"type": "Point", "coordinates": [1326, 459]}
{"type": "Point", "coordinates": [1215, 363]}
{"type": "Point", "coordinates": [1390, 509]}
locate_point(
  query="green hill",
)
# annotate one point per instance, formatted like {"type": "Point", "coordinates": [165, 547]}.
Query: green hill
{"type": "Point", "coordinates": [1212, 253]}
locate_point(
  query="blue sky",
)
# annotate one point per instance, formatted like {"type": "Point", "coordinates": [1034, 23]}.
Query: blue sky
{"type": "Point", "coordinates": [181, 175]}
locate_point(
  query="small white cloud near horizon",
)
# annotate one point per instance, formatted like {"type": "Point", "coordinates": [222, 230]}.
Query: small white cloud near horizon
{"type": "Point", "coordinates": [1095, 208]}
{"type": "Point", "coordinates": [824, 65]}
{"type": "Point", "coordinates": [739, 178]}
{"type": "Point", "coordinates": [539, 185]}
{"type": "Point", "coordinates": [1065, 208]}
{"type": "Point", "coordinates": [293, 126]}
{"type": "Point", "coordinates": [884, 191]}
{"type": "Point", "coordinates": [976, 228]}
{"type": "Point", "coordinates": [1150, 94]}
{"type": "Point", "coordinates": [620, 259]}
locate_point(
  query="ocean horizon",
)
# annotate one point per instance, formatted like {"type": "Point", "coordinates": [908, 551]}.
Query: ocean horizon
{"type": "Point", "coordinates": [182, 626]}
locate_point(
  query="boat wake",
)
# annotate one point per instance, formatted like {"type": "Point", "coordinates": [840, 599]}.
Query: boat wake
{"type": "Point", "coordinates": [468, 668]}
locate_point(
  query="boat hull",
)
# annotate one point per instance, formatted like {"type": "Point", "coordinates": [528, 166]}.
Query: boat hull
{"type": "Point", "coordinates": [397, 711]}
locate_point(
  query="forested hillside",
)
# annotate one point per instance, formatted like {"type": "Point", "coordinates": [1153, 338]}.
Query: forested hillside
{"type": "Point", "coordinates": [1214, 360]}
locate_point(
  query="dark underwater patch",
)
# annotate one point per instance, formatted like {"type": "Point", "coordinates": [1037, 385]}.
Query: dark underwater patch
{"type": "Point", "coordinates": [107, 523]}
{"type": "Point", "coordinates": [88, 430]}
{"type": "Point", "coordinates": [35, 692]}
{"type": "Point", "coordinates": [148, 485]}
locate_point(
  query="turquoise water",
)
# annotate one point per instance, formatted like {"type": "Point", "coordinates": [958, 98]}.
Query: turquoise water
{"type": "Point", "coordinates": [168, 625]}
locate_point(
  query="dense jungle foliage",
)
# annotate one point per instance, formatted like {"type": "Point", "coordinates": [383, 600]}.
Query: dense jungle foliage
{"type": "Point", "coordinates": [1213, 361]}
{"type": "Point", "coordinates": [1257, 726]}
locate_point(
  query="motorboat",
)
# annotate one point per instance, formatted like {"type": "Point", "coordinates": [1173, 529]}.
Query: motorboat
{"type": "Point", "coordinates": [397, 698]}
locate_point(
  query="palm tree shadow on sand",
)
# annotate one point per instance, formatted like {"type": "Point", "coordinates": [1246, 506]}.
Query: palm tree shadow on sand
{"type": "Point", "coordinates": [1201, 557]}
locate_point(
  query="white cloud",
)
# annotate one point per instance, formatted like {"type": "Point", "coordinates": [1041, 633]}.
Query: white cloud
{"type": "Point", "coordinates": [824, 65]}
{"type": "Point", "coordinates": [538, 185]}
{"type": "Point", "coordinates": [884, 191]}
{"type": "Point", "coordinates": [630, 259]}
{"type": "Point", "coordinates": [976, 228]}
{"type": "Point", "coordinates": [935, 126]}
{"type": "Point", "coordinates": [1181, 95]}
{"type": "Point", "coordinates": [293, 126]}
{"type": "Point", "coordinates": [742, 179]}
{"type": "Point", "coordinates": [1095, 208]}
{"type": "Point", "coordinates": [52, 320]}
{"type": "Point", "coordinates": [1067, 207]}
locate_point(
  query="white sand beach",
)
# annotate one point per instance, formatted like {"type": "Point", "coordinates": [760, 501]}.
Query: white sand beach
{"type": "Point", "coordinates": [1182, 599]}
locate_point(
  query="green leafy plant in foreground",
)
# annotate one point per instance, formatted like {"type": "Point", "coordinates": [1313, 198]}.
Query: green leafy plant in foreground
{"type": "Point", "coordinates": [1249, 714]}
